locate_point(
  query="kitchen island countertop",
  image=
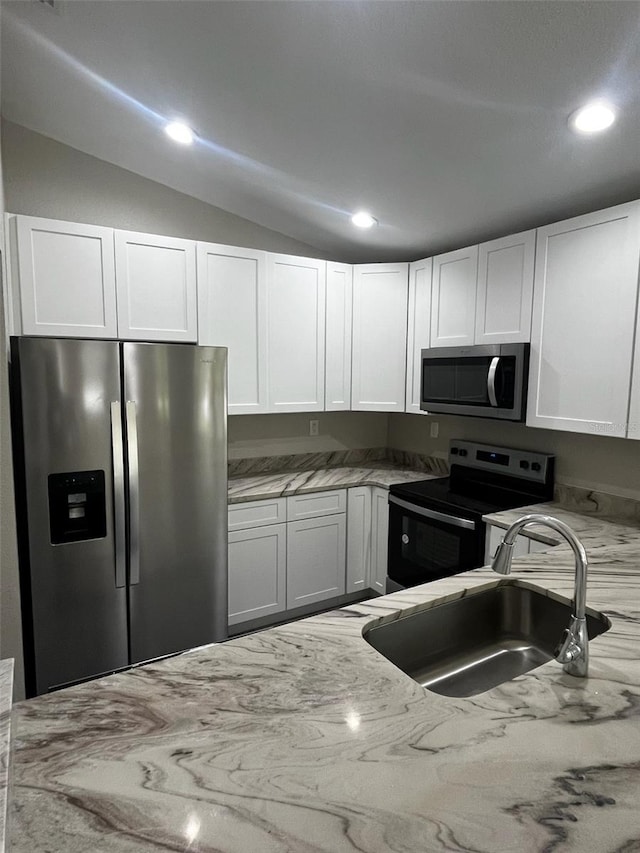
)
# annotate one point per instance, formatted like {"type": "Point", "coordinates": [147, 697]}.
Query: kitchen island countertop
{"type": "Point", "coordinates": [302, 738]}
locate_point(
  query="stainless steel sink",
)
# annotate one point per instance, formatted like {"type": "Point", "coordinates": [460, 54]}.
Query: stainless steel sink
{"type": "Point", "coordinates": [467, 646]}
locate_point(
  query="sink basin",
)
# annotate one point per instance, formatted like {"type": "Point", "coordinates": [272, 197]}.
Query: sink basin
{"type": "Point", "coordinates": [467, 646]}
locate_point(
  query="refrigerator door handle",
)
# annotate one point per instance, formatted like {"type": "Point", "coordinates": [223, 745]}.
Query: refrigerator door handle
{"type": "Point", "coordinates": [134, 494]}
{"type": "Point", "coordinates": [117, 451]}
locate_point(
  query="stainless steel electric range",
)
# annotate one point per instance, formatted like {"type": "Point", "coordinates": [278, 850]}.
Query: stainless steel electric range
{"type": "Point", "coordinates": [435, 526]}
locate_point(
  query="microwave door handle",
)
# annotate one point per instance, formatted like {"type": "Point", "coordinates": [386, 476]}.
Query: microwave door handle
{"type": "Point", "coordinates": [454, 520]}
{"type": "Point", "coordinates": [134, 494]}
{"type": "Point", "coordinates": [491, 381]}
{"type": "Point", "coordinates": [117, 451]}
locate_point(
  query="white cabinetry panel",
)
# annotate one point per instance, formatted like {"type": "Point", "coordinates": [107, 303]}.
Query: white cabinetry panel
{"type": "Point", "coordinates": [505, 289]}
{"type": "Point", "coordinates": [257, 572]}
{"type": "Point", "coordinates": [338, 337]}
{"type": "Point", "coordinates": [584, 308]}
{"type": "Point", "coordinates": [316, 556]}
{"type": "Point", "coordinates": [232, 313]}
{"type": "Point", "coordinates": [453, 295]}
{"type": "Point", "coordinates": [315, 504]}
{"type": "Point", "coordinates": [257, 513]}
{"type": "Point", "coordinates": [295, 329]}
{"type": "Point", "coordinates": [156, 281]}
{"type": "Point", "coordinates": [379, 539]}
{"type": "Point", "coordinates": [380, 294]}
{"type": "Point", "coordinates": [67, 278]}
{"type": "Point", "coordinates": [418, 329]}
{"type": "Point", "coordinates": [358, 538]}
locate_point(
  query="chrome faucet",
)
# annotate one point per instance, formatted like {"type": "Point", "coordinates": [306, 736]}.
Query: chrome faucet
{"type": "Point", "coordinates": [573, 649]}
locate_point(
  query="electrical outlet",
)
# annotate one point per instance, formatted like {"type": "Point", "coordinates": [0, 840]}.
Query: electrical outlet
{"type": "Point", "coordinates": [433, 431]}
{"type": "Point", "coordinates": [313, 427]}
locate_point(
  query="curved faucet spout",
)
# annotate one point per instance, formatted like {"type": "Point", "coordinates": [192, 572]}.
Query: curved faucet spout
{"type": "Point", "coordinates": [573, 649]}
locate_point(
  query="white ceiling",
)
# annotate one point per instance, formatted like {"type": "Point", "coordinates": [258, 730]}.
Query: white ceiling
{"type": "Point", "coordinates": [447, 120]}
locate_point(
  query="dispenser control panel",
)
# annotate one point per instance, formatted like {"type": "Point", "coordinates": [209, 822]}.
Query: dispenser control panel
{"type": "Point", "coordinates": [77, 506]}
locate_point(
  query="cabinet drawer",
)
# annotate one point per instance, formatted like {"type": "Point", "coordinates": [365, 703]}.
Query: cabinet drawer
{"type": "Point", "coordinates": [257, 513]}
{"type": "Point", "coordinates": [316, 504]}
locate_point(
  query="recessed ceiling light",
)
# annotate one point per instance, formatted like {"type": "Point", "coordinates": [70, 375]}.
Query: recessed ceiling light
{"type": "Point", "coordinates": [179, 132]}
{"type": "Point", "coordinates": [593, 117]}
{"type": "Point", "coordinates": [362, 219]}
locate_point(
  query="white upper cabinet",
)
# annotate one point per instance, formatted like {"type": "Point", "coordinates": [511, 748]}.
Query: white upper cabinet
{"type": "Point", "coordinates": [338, 337]}
{"type": "Point", "coordinates": [156, 281]}
{"type": "Point", "coordinates": [380, 294]}
{"type": "Point", "coordinates": [453, 294]}
{"type": "Point", "coordinates": [584, 310]}
{"type": "Point", "coordinates": [505, 289]}
{"type": "Point", "coordinates": [232, 313]}
{"type": "Point", "coordinates": [296, 292]}
{"type": "Point", "coordinates": [67, 278]}
{"type": "Point", "coordinates": [418, 329]}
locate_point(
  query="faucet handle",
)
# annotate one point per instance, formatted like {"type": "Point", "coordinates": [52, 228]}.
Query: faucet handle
{"type": "Point", "coordinates": [568, 649]}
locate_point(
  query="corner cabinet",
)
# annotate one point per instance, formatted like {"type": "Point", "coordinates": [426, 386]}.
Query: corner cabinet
{"type": "Point", "coordinates": [156, 286]}
{"type": "Point", "coordinates": [296, 292]}
{"type": "Point", "coordinates": [584, 314]}
{"type": "Point", "coordinates": [418, 330]}
{"type": "Point", "coordinates": [66, 275]}
{"type": "Point", "coordinates": [380, 296]}
{"type": "Point", "coordinates": [338, 337]}
{"type": "Point", "coordinates": [232, 313]}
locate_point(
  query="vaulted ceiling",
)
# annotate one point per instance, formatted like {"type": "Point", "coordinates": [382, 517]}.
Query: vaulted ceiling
{"type": "Point", "coordinates": [447, 120]}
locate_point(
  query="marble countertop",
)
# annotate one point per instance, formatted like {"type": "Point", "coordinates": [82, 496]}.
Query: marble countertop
{"type": "Point", "coordinates": [302, 738]}
{"type": "Point", "coordinates": [260, 486]}
{"type": "Point", "coordinates": [6, 695]}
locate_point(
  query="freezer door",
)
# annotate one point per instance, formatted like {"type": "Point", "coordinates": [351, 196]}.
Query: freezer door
{"type": "Point", "coordinates": [73, 591]}
{"type": "Point", "coordinates": [176, 428]}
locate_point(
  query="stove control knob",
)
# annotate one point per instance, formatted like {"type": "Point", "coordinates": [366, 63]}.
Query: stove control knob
{"type": "Point", "coordinates": [524, 464]}
{"type": "Point", "coordinates": [405, 539]}
{"type": "Point", "coordinates": [454, 451]}
{"type": "Point", "coordinates": [462, 451]}
{"type": "Point", "coordinates": [535, 466]}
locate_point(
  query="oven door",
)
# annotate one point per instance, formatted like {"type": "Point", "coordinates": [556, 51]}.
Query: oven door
{"type": "Point", "coordinates": [427, 544]}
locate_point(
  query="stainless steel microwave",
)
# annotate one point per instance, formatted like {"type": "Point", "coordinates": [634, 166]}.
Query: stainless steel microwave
{"type": "Point", "coordinates": [481, 381]}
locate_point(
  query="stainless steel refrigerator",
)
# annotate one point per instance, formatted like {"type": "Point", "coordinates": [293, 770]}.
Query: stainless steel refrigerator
{"type": "Point", "coordinates": [120, 456]}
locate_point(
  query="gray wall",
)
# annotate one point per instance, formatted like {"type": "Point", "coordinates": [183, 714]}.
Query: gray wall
{"type": "Point", "coordinates": [596, 462]}
{"type": "Point", "coordinates": [45, 178]}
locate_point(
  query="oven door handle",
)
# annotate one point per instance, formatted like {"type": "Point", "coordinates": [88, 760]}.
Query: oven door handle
{"type": "Point", "coordinates": [491, 381]}
{"type": "Point", "coordinates": [466, 523]}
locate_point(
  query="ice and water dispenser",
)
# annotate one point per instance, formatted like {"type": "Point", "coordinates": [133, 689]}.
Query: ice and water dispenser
{"type": "Point", "coordinates": [77, 506]}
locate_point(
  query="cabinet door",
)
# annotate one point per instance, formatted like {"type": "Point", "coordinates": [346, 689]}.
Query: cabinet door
{"type": "Point", "coordinates": [232, 313]}
{"type": "Point", "coordinates": [379, 539]}
{"type": "Point", "coordinates": [418, 329]}
{"type": "Point", "coordinates": [453, 295]}
{"type": "Point", "coordinates": [295, 329]}
{"type": "Point", "coordinates": [380, 294]}
{"type": "Point", "coordinates": [338, 337]}
{"type": "Point", "coordinates": [156, 281]}
{"type": "Point", "coordinates": [315, 559]}
{"type": "Point", "coordinates": [358, 538]}
{"type": "Point", "coordinates": [66, 278]}
{"type": "Point", "coordinates": [584, 307]}
{"type": "Point", "coordinates": [505, 289]}
{"type": "Point", "coordinates": [257, 572]}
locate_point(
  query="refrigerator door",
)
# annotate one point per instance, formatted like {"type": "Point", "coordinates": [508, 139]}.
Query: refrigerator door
{"type": "Point", "coordinates": [73, 587]}
{"type": "Point", "coordinates": [176, 425]}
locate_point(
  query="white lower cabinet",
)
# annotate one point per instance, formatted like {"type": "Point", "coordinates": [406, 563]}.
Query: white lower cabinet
{"type": "Point", "coordinates": [288, 553]}
{"type": "Point", "coordinates": [379, 537]}
{"type": "Point", "coordinates": [257, 572]}
{"type": "Point", "coordinates": [316, 559]}
{"type": "Point", "coordinates": [358, 538]}
{"type": "Point", "coordinates": [522, 546]}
